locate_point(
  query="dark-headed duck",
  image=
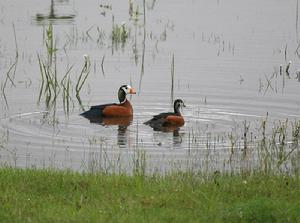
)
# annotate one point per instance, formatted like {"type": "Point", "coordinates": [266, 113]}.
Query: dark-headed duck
{"type": "Point", "coordinates": [168, 119]}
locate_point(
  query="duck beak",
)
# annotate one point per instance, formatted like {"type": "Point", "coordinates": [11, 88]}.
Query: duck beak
{"type": "Point", "coordinates": [132, 91]}
{"type": "Point", "coordinates": [183, 105]}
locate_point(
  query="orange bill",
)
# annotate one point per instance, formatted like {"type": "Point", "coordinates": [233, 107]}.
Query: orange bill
{"type": "Point", "coordinates": [132, 91]}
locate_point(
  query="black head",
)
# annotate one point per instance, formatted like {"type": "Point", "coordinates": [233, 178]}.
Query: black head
{"type": "Point", "coordinates": [123, 91]}
{"type": "Point", "coordinates": [178, 103]}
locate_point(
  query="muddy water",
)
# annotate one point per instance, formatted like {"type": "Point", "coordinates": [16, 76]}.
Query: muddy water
{"type": "Point", "coordinates": [227, 58]}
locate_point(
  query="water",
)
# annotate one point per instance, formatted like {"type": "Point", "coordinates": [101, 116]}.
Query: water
{"type": "Point", "coordinates": [227, 57]}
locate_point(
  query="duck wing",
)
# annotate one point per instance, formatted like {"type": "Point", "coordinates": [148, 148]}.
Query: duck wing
{"type": "Point", "coordinates": [101, 107]}
{"type": "Point", "coordinates": [96, 110]}
{"type": "Point", "coordinates": [159, 119]}
{"type": "Point", "coordinates": [162, 115]}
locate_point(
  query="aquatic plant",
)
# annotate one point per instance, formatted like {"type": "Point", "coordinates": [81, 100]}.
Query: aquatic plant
{"type": "Point", "coordinates": [172, 78]}
{"type": "Point", "coordinates": [139, 160]}
{"type": "Point", "coordinates": [288, 67]}
{"type": "Point", "coordinates": [51, 84]}
{"type": "Point", "coordinates": [48, 70]}
{"type": "Point", "coordinates": [66, 85]}
{"type": "Point", "coordinates": [275, 151]}
{"type": "Point", "coordinates": [85, 71]}
{"type": "Point", "coordinates": [119, 34]}
{"type": "Point", "coordinates": [270, 148]}
{"type": "Point", "coordinates": [102, 65]}
{"type": "Point", "coordinates": [11, 73]}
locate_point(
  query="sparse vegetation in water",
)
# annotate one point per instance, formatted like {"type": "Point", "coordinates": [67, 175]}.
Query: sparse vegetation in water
{"type": "Point", "coordinates": [134, 13]}
{"type": "Point", "coordinates": [119, 34]}
{"type": "Point", "coordinates": [218, 40]}
{"type": "Point", "coordinates": [85, 71]}
{"type": "Point", "coordinates": [278, 79]}
{"type": "Point", "coordinates": [106, 6]}
{"type": "Point", "coordinates": [102, 65]}
{"type": "Point", "coordinates": [278, 152]}
{"type": "Point", "coordinates": [268, 147]}
{"type": "Point", "coordinates": [51, 84]}
{"type": "Point", "coordinates": [11, 73]}
{"type": "Point", "coordinates": [172, 78]}
{"type": "Point", "coordinates": [66, 85]}
{"type": "Point", "coordinates": [60, 196]}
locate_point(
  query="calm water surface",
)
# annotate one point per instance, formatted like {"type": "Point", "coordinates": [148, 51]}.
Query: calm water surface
{"type": "Point", "coordinates": [227, 58]}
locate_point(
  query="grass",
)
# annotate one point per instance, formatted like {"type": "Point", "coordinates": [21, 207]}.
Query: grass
{"type": "Point", "coordinates": [60, 196]}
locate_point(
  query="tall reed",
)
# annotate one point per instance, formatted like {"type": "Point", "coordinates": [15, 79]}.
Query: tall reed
{"type": "Point", "coordinates": [172, 78]}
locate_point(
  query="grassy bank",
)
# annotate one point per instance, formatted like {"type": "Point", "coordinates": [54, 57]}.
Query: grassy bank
{"type": "Point", "coordinates": [58, 196]}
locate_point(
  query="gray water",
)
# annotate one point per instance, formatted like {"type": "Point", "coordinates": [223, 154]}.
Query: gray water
{"type": "Point", "coordinates": [227, 58]}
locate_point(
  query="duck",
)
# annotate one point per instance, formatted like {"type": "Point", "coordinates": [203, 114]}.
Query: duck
{"type": "Point", "coordinates": [114, 110]}
{"type": "Point", "coordinates": [168, 120]}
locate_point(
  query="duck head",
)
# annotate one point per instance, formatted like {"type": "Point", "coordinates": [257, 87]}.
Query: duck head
{"type": "Point", "coordinates": [178, 104]}
{"type": "Point", "coordinates": [123, 91]}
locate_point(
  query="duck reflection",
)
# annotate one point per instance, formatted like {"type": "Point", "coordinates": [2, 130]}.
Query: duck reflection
{"type": "Point", "coordinates": [121, 122]}
{"type": "Point", "coordinates": [177, 135]}
{"type": "Point", "coordinates": [122, 135]}
{"type": "Point", "coordinates": [173, 129]}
